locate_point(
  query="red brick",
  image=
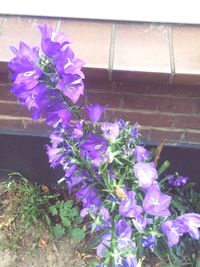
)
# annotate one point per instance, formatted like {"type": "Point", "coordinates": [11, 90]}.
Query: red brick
{"type": "Point", "coordinates": [21, 28]}
{"type": "Point", "coordinates": [192, 137]}
{"type": "Point", "coordinates": [11, 123]}
{"type": "Point", "coordinates": [36, 125]}
{"type": "Point", "coordinates": [145, 133]}
{"type": "Point", "coordinates": [148, 119]}
{"type": "Point", "coordinates": [112, 100]}
{"type": "Point", "coordinates": [12, 109]}
{"type": "Point", "coordinates": [177, 105]}
{"type": "Point", "coordinates": [187, 122]}
{"type": "Point", "coordinates": [140, 102]}
{"type": "Point", "coordinates": [5, 93]}
{"type": "Point", "coordinates": [159, 135]}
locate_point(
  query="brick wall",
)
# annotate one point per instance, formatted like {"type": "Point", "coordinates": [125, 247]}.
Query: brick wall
{"type": "Point", "coordinates": [163, 111]}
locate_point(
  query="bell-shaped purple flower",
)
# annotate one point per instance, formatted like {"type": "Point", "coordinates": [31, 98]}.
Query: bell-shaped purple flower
{"type": "Point", "coordinates": [67, 64]}
{"type": "Point", "coordinates": [192, 221]}
{"type": "Point", "coordinates": [95, 112]}
{"type": "Point", "coordinates": [110, 130]}
{"type": "Point", "coordinates": [94, 147]}
{"type": "Point", "coordinates": [140, 223]}
{"type": "Point", "coordinates": [51, 41]}
{"type": "Point", "coordinates": [57, 115]}
{"type": "Point", "coordinates": [77, 132]}
{"type": "Point", "coordinates": [89, 196]}
{"type": "Point", "coordinates": [177, 181]}
{"type": "Point", "coordinates": [155, 202]}
{"type": "Point", "coordinates": [123, 234]}
{"type": "Point", "coordinates": [146, 173]}
{"type": "Point", "coordinates": [149, 241]}
{"type": "Point", "coordinates": [128, 207]}
{"type": "Point", "coordinates": [55, 155]}
{"type": "Point", "coordinates": [186, 223]}
{"type": "Point", "coordinates": [56, 138]}
{"type": "Point", "coordinates": [135, 130]}
{"type": "Point", "coordinates": [141, 154]}
{"type": "Point", "coordinates": [71, 86]}
{"type": "Point", "coordinates": [73, 181]}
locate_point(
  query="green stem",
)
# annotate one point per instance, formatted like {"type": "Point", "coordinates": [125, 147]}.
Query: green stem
{"type": "Point", "coordinates": [76, 112]}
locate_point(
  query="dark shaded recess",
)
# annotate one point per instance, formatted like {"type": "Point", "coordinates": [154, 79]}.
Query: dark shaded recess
{"type": "Point", "coordinates": [27, 154]}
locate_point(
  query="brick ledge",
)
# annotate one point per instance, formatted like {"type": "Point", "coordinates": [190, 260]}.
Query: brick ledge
{"type": "Point", "coordinates": [117, 51]}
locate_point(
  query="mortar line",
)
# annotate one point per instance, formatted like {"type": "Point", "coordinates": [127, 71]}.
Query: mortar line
{"type": "Point", "coordinates": [111, 52]}
{"type": "Point", "coordinates": [58, 25]}
{"type": "Point", "coordinates": [171, 55]}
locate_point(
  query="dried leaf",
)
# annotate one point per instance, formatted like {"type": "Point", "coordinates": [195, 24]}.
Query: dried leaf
{"type": "Point", "coordinates": [42, 243]}
{"type": "Point", "coordinates": [45, 189]}
{"type": "Point", "coordinates": [158, 151]}
{"type": "Point", "coordinates": [120, 193]}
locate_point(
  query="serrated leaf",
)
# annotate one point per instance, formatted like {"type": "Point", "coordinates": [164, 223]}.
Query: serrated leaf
{"type": "Point", "coordinates": [53, 210]}
{"type": "Point", "coordinates": [65, 221]}
{"type": "Point", "coordinates": [58, 230]}
{"type": "Point", "coordinates": [74, 212]}
{"type": "Point", "coordinates": [68, 204]}
{"type": "Point", "coordinates": [77, 234]}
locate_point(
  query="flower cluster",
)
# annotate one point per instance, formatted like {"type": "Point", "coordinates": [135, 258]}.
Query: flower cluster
{"type": "Point", "coordinates": [105, 166]}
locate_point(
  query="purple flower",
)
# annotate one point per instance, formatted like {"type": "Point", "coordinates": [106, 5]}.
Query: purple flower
{"type": "Point", "coordinates": [140, 223]}
{"type": "Point", "coordinates": [58, 115]}
{"type": "Point", "coordinates": [177, 181]}
{"type": "Point", "coordinates": [70, 170]}
{"type": "Point", "coordinates": [57, 138]}
{"type": "Point", "coordinates": [78, 130]}
{"type": "Point", "coordinates": [95, 112]}
{"type": "Point", "coordinates": [55, 155]}
{"type": "Point", "coordinates": [110, 130]}
{"type": "Point", "coordinates": [186, 223]}
{"type": "Point", "coordinates": [192, 221]}
{"type": "Point", "coordinates": [149, 241]}
{"type": "Point", "coordinates": [124, 242]}
{"type": "Point", "coordinates": [104, 245]}
{"type": "Point", "coordinates": [94, 147]}
{"type": "Point", "coordinates": [25, 59]}
{"type": "Point", "coordinates": [74, 180]}
{"type": "Point", "coordinates": [29, 78]}
{"type": "Point", "coordinates": [135, 131]}
{"type": "Point", "coordinates": [155, 202]}
{"type": "Point", "coordinates": [141, 154]}
{"type": "Point", "coordinates": [146, 173]}
{"type": "Point", "coordinates": [89, 196]}
{"type": "Point", "coordinates": [129, 207]}
{"type": "Point", "coordinates": [71, 86]}
{"type": "Point", "coordinates": [67, 64]}
{"type": "Point", "coordinates": [101, 219]}
{"type": "Point", "coordinates": [52, 41]}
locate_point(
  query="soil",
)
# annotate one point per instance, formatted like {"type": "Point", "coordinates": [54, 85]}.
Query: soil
{"type": "Point", "coordinates": [49, 253]}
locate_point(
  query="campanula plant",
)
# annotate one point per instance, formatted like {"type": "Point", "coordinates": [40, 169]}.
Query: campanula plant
{"type": "Point", "coordinates": [134, 209]}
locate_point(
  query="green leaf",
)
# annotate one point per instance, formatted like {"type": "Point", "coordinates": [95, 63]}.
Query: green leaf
{"type": "Point", "coordinates": [77, 234]}
{"type": "Point", "coordinates": [53, 210]}
{"type": "Point", "coordinates": [163, 167]}
{"type": "Point", "coordinates": [65, 220]}
{"type": "Point", "coordinates": [58, 230]}
{"type": "Point", "coordinates": [74, 212]}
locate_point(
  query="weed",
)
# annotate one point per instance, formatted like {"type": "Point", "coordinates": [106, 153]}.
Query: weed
{"type": "Point", "coordinates": [33, 208]}
{"type": "Point", "coordinates": [66, 217]}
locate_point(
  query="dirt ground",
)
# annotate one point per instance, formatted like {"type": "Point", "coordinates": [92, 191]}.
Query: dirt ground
{"type": "Point", "coordinates": [53, 253]}
{"type": "Point", "coordinates": [61, 253]}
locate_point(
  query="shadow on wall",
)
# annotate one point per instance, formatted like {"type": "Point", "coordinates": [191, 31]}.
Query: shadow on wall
{"type": "Point", "coordinates": [27, 154]}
